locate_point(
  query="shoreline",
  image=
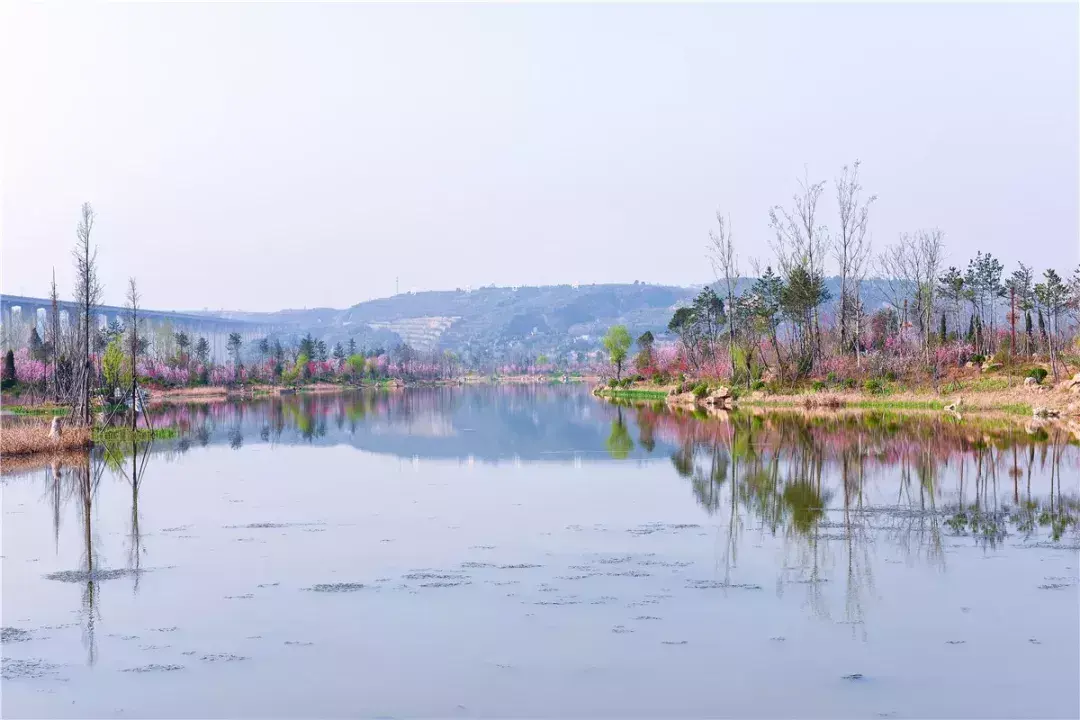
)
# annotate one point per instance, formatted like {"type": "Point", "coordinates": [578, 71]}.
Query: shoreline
{"type": "Point", "coordinates": [1045, 401]}
{"type": "Point", "coordinates": [1058, 404]}
{"type": "Point", "coordinates": [222, 392]}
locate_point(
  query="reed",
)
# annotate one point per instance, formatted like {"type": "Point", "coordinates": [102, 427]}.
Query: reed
{"type": "Point", "coordinates": [25, 439]}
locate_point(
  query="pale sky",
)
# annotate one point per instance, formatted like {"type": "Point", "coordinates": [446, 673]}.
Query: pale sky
{"type": "Point", "coordinates": [251, 156]}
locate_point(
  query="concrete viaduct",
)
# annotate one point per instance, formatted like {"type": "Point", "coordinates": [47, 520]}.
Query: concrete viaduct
{"type": "Point", "coordinates": [18, 314]}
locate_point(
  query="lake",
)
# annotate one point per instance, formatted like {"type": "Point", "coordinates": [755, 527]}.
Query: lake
{"type": "Point", "coordinates": [533, 551]}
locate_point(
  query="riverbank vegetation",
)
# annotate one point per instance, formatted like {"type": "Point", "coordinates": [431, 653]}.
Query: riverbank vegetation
{"type": "Point", "coordinates": [939, 329]}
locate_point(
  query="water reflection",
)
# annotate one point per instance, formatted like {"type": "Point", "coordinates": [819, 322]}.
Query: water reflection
{"type": "Point", "coordinates": [797, 475]}
{"type": "Point", "coordinates": [839, 494]}
{"type": "Point", "coordinates": [76, 478]}
{"type": "Point", "coordinates": [490, 424]}
{"type": "Point", "coordinates": [618, 442]}
{"type": "Point", "coordinates": [831, 485]}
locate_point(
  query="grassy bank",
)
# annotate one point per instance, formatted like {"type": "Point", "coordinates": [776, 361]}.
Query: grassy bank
{"type": "Point", "coordinates": [38, 410]}
{"type": "Point", "coordinates": [1017, 402]}
{"type": "Point", "coordinates": [633, 393]}
{"type": "Point", "coordinates": [981, 395]}
{"type": "Point", "coordinates": [114, 434]}
{"type": "Point", "coordinates": [848, 400]}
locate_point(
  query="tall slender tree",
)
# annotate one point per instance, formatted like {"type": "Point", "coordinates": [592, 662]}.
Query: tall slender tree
{"type": "Point", "coordinates": [983, 280]}
{"type": "Point", "coordinates": [911, 268]}
{"type": "Point", "coordinates": [1053, 294]}
{"type": "Point", "coordinates": [54, 324]}
{"type": "Point", "coordinates": [87, 295]}
{"type": "Point", "coordinates": [183, 343]}
{"type": "Point", "coordinates": [851, 249]}
{"type": "Point", "coordinates": [801, 244]}
{"type": "Point", "coordinates": [725, 264]}
{"type": "Point", "coordinates": [951, 290]}
{"type": "Point", "coordinates": [1021, 285]}
{"type": "Point", "coordinates": [133, 298]}
{"type": "Point", "coordinates": [202, 350]}
{"type": "Point", "coordinates": [234, 345]}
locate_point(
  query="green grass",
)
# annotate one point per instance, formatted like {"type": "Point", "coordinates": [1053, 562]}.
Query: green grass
{"type": "Point", "coordinates": [633, 393]}
{"type": "Point", "coordinates": [38, 410]}
{"type": "Point", "coordinates": [886, 404]}
{"type": "Point", "coordinates": [981, 384]}
{"type": "Point", "coordinates": [112, 434]}
{"type": "Point", "coordinates": [868, 404]}
{"type": "Point", "coordinates": [897, 404]}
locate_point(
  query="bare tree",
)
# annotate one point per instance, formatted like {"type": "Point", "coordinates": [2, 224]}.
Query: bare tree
{"type": "Point", "coordinates": [932, 251]}
{"type": "Point", "coordinates": [54, 341]}
{"type": "Point", "coordinates": [87, 295]}
{"type": "Point", "coordinates": [910, 269]}
{"type": "Point", "coordinates": [801, 245]}
{"type": "Point", "coordinates": [133, 298]}
{"type": "Point", "coordinates": [726, 263]}
{"type": "Point", "coordinates": [851, 250]}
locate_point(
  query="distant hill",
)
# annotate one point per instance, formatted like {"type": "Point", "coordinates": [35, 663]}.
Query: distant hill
{"type": "Point", "coordinates": [501, 320]}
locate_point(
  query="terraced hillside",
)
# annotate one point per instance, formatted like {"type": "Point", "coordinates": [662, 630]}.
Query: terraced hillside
{"type": "Point", "coordinates": [500, 321]}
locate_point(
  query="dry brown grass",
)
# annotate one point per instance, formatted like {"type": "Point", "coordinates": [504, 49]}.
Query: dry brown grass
{"type": "Point", "coordinates": [29, 438]}
{"type": "Point", "coordinates": [326, 388]}
{"type": "Point", "coordinates": [209, 392]}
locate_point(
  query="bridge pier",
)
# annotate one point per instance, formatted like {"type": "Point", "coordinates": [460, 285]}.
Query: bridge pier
{"type": "Point", "coordinates": [18, 314]}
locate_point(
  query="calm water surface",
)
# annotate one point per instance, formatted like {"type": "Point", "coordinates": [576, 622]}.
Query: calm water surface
{"type": "Point", "coordinates": [536, 552]}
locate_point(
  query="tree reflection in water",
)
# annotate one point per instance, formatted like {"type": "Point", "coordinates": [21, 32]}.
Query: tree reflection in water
{"type": "Point", "coordinates": [833, 488]}
{"type": "Point", "coordinates": [830, 482]}
{"type": "Point", "coordinates": [76, 477]}
{"type": "Point", "coordinates": [618, 442]}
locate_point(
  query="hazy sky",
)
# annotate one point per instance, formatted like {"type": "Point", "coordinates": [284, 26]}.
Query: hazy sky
{"type": "Point", "coordinates": [265, 156]}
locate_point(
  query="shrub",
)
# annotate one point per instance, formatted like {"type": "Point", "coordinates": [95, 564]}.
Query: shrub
{"type": "Point", "coordinates": [850, 383]}
{"type": "Point", "coordinates": [657, 379]}
{"type": "Point", "coordinates": [736, 393]}
{"type": "Point", "coordinates": [613, 383]}
{"type": "Point", "coordinates": [817, 385]}
{"type": "Point", "coordinates": [978, 359]}
{"type": "Point", "coordinates": [758, 385]}
{"type": "Point", "coordinates": [1038, 373]}
{"type": "Point", "coordinates": [874, 386]}
{"type": "Point", "coordinates": [627, 382]}
{"type": "Point", "coordinates": [701, 390]}
{"type": "Point", "coordinates": [831, 378]}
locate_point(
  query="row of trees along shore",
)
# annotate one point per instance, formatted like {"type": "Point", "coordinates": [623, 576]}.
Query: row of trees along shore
{"type": "Point", "coordinates": [781, 325]}
{"type": "Point", "coordinates": [91, 369]}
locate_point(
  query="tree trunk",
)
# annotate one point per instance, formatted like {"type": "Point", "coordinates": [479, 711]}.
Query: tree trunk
{"type": "Point", "coordinates": [1050, 340]}
{"type": "Point", "coordinates": [134, 372]}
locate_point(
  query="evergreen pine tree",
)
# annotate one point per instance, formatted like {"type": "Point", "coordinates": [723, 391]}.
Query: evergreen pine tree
{"type": "Point", "coordinates": [7, 376]}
